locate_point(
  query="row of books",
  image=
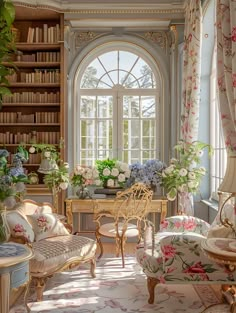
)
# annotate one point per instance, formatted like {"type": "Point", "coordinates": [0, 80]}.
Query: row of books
{"type": "Point", "coordinates": [33, 158]}
{"type": "Point", "coordinates": [41, 57]}
{"type": "Point", "coordinates": [44, 34]}
{"type": "Point", "coordinates": [32, 97]}
{"type": "Point", "coordinates": [27, 138]}
{"type": "Point", "coordinates": [38, 117]}
{"type": "Point", "coordinates": [39, 76]}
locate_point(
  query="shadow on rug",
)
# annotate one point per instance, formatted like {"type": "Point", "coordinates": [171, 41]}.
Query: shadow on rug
{"type": "Point", "coordinates": [118, 290]}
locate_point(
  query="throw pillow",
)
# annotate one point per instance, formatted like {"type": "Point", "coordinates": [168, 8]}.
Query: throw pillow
{"type": "Point", "coordinates": [46, 225]}
{"type": "Point", "coordinates": [19, 226]}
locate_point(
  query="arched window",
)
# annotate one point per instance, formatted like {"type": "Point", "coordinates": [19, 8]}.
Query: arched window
{"type": "Point", "coordinates": [117, 105]}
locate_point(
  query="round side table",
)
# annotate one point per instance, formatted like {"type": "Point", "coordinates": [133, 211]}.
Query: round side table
{"type": "Point", "coordinates": [14, 271]}
{"type": "Point", "coordinates": [223, 251]}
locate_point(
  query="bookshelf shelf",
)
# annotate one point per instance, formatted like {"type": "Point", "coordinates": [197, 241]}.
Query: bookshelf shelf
{"type": "Point", "coordinates": [35, 112]}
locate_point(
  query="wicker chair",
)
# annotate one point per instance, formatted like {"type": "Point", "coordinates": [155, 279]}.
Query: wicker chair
{"type": "Point", "coordinates": [125, 219]}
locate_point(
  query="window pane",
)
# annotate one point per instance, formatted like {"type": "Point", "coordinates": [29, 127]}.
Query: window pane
{"type": "Point", "coordinates": [87, 106]}
{"type": "Point", "coordinates": [88, 134]}
{"type": "Point", "coordinates": [105, 106]}
{"type": "Point", "coordinates": [130, 106]}
{"type": "Point", "coordinates": [104, 135]}
{"type": "Point", "coordinates": [109, 60]}
{"type": "Point", "coordinates": [147, 155]}
{"type": "Point", "coordinates": [148, 106]}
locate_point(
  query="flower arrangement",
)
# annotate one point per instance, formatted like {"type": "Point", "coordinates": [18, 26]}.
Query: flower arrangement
{"type": "Point", "coordinates": [58, 179]}
{"type": "Point", "coordinates": [185, 174]}
{"type": "Point", "coordinates": [83, 176]}
{"type": "Point", "coordinates": [12, 178]}
{"type": "Point", "coordinates": [147, 173]}
{"type": "Point", "coordinates": [112, 173]}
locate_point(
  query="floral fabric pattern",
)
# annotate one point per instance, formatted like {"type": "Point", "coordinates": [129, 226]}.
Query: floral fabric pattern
{"type": "Point", "coordinates": [19, 226]}
{"type": "Point", "coordinates": [183, 223]}
{"type": "Point", "coordinates": [177, 255]}
{"type": "Point", "coordinates": [226, 69]}
{"type": "Point", "coordinates": [192, 70]}
{"type": "Point", "coordinates": [46, 225]}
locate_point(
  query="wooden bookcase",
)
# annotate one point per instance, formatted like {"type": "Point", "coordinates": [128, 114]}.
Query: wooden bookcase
{"type": "Point", "coordinates": [35, 112]}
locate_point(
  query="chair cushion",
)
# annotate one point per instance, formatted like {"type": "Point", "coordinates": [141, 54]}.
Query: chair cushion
{"type": "Point", "coordinates": [19, 226]}
{"type": "Point", "coordinates": [46, 225]}
{"type": "Point", "coordinates": [109, 230]}
{"type": "Point", "coordinates": [52, 252]}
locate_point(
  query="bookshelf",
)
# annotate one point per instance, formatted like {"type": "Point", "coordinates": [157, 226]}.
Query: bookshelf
{"type": "Point", "coordinates": [34, 113]}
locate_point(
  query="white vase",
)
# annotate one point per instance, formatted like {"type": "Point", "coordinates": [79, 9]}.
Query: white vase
{"type": "Point", "coordinates": [185, 203]}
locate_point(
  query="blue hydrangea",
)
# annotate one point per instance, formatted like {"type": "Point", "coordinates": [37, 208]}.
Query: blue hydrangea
{"type": "Point", "coordinates": [147, 173]}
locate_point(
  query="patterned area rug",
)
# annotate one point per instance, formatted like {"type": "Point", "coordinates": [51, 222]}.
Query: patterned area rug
{"type": "Point", "coordinates": [117, 290]}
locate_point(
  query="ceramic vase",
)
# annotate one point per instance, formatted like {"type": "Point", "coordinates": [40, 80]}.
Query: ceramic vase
{"type": "Point", "coordinates": [185, 203]}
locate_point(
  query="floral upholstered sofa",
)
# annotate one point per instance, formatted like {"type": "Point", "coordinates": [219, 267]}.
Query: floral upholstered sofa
{"type": "Point", "coordinates": [54, 248]}
{"type": "Point", "coordinates": [175, 256]}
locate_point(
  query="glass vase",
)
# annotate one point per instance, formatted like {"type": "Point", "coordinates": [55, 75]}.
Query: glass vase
{"type": "Point", "coordinates": [185, 203]}
{"type": "Point", "coordinates": [83, 192]}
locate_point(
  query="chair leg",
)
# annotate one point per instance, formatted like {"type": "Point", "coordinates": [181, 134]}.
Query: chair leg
{"type": "Point", "coordinates": [98, 238]}
{"type": "Point", "coordinates": [118, 246]}
{"type": "Point", "coordinates": [40, 285]}
{"type": "Point", "coordinates": [151, 284]}
{"type": "Point", "coordinates": [93, 267]}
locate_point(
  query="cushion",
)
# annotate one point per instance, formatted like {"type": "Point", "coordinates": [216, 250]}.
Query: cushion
{"type": "Point", "coordinates": [46, 225]}
{"type": "Point", "coordinates": [19, 226]}
{"type": "Point", "coordinates": [51, 253]}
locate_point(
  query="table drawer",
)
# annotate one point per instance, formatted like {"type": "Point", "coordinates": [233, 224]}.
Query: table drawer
{"type": "Point", "coordinates": [20, 274]}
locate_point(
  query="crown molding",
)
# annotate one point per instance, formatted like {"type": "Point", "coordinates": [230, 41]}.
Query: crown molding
{"type": "Point", "coordinates": [107, 7]}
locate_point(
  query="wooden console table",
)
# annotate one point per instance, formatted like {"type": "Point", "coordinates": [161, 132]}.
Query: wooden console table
{"type": "Point", "coordinates": [76, 205]}
{"type": "Point", "coordinates": [14, 271]}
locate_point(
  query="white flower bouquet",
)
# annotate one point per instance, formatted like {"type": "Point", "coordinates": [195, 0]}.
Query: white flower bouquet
{"type": "Point", "coordinates": [112, 173]}
{"type": "Point", "coordinates": [184, 174]}
{"type": "Point", "coordinates": [83, 176]}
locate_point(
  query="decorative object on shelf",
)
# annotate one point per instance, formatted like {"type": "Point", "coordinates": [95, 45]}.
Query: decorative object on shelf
{"type": "Point", "coordinates": [12, 183]}
{"type": "Point", "coordinates": [49, 157]}
{"type": "Point", "coordinates": [7, 39]}
{"type": "Point", "coordinates": [112, 173]}
{"type": "Point", "coordinates": [82, 177]}
{"type": "Point", "coordinates": [33, 178]}
{"type": "Point", "coordinates": [147, 173]}
{"type": "Point", "coordinates": [184, 175]}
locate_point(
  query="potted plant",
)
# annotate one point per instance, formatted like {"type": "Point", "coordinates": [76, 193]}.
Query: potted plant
{"type": "Point", "coordinates": [7, 45]}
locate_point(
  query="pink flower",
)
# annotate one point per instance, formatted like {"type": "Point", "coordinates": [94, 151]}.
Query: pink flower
{"type": "Point", "coordinates": [18, 228]}
{"type": "Point", "coordinates": [178, 224]}
{"type": "Point", "coordinates": [168, 251]}
{"type": "Point", "coordinates": [234, 80]}
{"type": "Point", "coordinates": [197, 268]}
{"type": "Point", "coordinates": [164, 224]}
{"type": "Point", "coordinates": [234, 34]}
{"type": "Point", "coordinates": [189, 224]}
{"type": "Point", "coordinates": [162, 280]}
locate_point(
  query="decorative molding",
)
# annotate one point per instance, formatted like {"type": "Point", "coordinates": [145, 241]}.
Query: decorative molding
{"type": "Point", "coordinates": [159, 38]}
{"type": "Point", "coordinates": [82, 38]}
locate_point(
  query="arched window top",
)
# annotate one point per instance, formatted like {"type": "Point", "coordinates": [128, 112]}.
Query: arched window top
{"type": "Point", "coordinates": [118, 68]}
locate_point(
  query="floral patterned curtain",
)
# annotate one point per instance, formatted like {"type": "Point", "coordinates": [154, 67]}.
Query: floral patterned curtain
{"type": "Point", "coordinates": [226, 69]}
{"type": "Point", "coordinates": [192, 70]}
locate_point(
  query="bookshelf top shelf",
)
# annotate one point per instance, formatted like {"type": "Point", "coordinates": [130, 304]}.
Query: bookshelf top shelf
{"type": "Point", "coordinates": [36, 64]}
{"type": "Point", "coordinates": [40, 85]}
{"type": "Point", "coordinates": [43, 46]}
{"type": "Point", "coordinates": [30, 124]}
{"type": "Point", "coordinates": [30, 104]}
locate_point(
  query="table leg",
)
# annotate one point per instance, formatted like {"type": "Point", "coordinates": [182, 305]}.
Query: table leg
{"type": "Point", "coordinates": [26, 295]}
{"type": "Point", "coordinates": [4, 292]}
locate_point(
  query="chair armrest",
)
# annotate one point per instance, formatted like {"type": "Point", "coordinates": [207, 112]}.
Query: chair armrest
{"type": "Point", "coordinates": [182, 223]}
{"type": "Point", "coordinates": [180, 251]}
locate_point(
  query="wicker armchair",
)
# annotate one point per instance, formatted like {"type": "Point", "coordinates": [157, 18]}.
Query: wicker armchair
{"type": "Point", "coordinates": [125, 219]}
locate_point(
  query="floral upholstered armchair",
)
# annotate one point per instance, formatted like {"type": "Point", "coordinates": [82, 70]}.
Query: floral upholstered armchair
{"type": "Point", "coordinates": [175, 256]}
